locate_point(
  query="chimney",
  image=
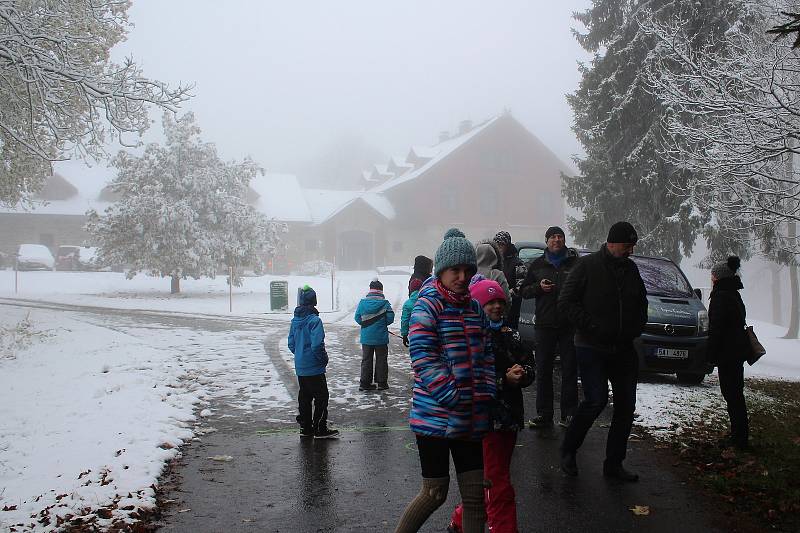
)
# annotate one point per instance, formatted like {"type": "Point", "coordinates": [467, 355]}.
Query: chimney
{"type": "Point", "coordinates": [444, 135]}
{"type": "Point", "coordinates": [464, 127]}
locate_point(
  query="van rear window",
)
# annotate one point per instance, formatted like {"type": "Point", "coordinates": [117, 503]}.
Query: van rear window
{"type": "Point", "coordinates": [663, 277]}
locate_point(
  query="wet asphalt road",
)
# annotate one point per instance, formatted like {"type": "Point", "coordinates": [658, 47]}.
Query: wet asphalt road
{"type": "Point", "coordinates": [362, 481]}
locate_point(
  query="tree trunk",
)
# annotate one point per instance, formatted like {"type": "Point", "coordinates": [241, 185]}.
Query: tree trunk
{"type": "Point", "coordinates": [175, 285]}
{"type": "Point", "coordinates": [794, 315]}
{"type": "Point", "coordinates": [777, 294]}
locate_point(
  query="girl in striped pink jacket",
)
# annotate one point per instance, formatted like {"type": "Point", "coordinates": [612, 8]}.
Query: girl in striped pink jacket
{"type": "Point", "coordinates": [453, 386]}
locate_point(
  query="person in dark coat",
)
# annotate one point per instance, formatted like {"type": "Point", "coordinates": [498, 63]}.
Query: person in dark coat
{"type": "Point", "coordinates": [605, 299]}
{"type": "Point", "coordinates": [511, 261]}
{"type": "Point", "coordinates": [513, 371]}
{"type": "Point", "coordinates": [728, 345]}
{"type": "Point", "coordinates": [423, 268]}
{"type": "Point", "coordinates": [546, 275]}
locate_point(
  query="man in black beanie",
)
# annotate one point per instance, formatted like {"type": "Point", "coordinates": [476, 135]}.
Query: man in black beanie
{"type": "Point", "coordinates": [605, 299]}
{"type": "Point", "coordinates": [554, 333]}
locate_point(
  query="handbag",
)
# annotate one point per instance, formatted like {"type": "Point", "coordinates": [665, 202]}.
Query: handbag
{"type": "Point", "coordinates": [757, 349]}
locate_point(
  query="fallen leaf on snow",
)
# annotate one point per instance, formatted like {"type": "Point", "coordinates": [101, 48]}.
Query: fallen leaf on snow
{"type": "Point", "coordinates": [640, 510]}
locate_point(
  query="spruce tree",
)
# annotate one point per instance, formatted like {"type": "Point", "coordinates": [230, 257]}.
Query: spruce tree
{"type": "Point", "coordinates": [619, 124]}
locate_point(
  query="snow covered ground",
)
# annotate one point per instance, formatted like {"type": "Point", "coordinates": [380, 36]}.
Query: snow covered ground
{"type": "Point", "coordinates": [92, 408]}
{"type": "Point", "coordinates": [203, 296]}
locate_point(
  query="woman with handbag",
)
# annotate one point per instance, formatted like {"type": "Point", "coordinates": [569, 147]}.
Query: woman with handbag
{"type": "Point", "coordinates": [728, 344]}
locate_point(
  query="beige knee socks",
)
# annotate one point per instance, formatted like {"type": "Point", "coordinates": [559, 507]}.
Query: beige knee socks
{"type": "Point", "coordinates": [471, 486]}
{"type": "Point", "coordinates": [430, 497]}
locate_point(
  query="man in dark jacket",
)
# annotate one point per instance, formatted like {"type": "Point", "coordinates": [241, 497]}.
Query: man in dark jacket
{"type": "Point", "coordinates": [510, 262]}
{"type": "Point", "coordinates": [546, 275]}
{"type": "Point", "coordinates": [605, 299]}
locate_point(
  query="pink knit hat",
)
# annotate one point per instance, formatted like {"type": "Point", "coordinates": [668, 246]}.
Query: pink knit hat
{"type": "Point", "coordinates": [487, 290]}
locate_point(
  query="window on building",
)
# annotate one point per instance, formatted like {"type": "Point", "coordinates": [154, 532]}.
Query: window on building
{"type": "Point", "coordinates": [449, 200]}
{"type": "Point", "coordinates": [488, 200]}
{"type": "Point", "coordinates": [312, 245]}
{"type": "Point", "coordinates": [544, 206]}
{"type": "Point", "coordinates": [397, 246]}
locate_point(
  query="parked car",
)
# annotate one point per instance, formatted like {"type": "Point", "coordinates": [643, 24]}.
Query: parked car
{"type": "Point", "coordinates": [67, 257]}
{"type": "Point", "coordinates": [71, 257]}
{"type": "Point", "coordinates": [88, 259]}
{"type": "Point", "coordinates": [395, 270]}
{"type": "Point", "coordinates": [676, 334]}
{"type": "Point", "coordinates": [315, 268]}
{"type": "Point", "coordinates": [34, 257]}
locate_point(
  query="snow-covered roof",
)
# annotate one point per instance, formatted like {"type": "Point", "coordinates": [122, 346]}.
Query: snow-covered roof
{"type": "Point", "coordinates": [73, 189]}
{"type": "Point", "coordinates": [326, 203]}
{"type": "Point", "coordinates": [381, 171]}
{"type": "Point", "coordinates": [280, 197]}
{"type": "Point", "coordinates": [79, 195]}
{"type": "Point", "coordinates": [433, 155]}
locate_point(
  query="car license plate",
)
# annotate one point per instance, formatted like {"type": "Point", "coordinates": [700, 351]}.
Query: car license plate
{"type": "Point", "coordinates": [672, 353]}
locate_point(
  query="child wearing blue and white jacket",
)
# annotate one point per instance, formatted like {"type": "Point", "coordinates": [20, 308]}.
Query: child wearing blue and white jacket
{"type": "Point", "coordinates": [374, 314]}
{"type": "Point", "coordinates": [307, 343]}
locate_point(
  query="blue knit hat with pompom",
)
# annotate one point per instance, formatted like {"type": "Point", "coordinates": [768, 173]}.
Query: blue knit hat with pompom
{"type": "Point", "coordinates": [455, 250]}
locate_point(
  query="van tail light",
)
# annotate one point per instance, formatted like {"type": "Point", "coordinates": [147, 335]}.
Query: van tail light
{"type": "Point", "coordinates": [702, 322]}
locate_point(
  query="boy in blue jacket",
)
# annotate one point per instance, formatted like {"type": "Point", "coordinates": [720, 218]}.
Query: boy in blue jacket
{"type": "Point", "coordinates": [374, 314]}
{"type": "Point", "coordinates": [307, 343]}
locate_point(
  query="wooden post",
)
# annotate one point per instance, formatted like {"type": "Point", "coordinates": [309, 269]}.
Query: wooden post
{"type": "Point", "coordinates": [333, 270]}
{"type": "Point", "coordinates": [16, 274]}
{"type": "Point", "coordinates": [230, 289]}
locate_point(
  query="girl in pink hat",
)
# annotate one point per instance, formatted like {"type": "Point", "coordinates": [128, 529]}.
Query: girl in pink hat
{"type": "Point", "coordinates": [513, 371]}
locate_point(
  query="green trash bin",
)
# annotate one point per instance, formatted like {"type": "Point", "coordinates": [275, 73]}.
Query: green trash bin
{"type": "Point", "coordinates": [279, 295]}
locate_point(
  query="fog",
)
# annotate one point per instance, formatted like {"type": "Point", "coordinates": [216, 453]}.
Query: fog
{"type": "Point", "coordinates": [290, 82]}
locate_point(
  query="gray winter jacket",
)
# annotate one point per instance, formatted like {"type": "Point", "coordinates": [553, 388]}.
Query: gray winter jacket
{"type": "Point", "coordinates": [490, 266]}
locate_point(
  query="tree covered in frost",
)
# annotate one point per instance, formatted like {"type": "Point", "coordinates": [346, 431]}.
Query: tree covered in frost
{"type": "Point", "coordinates": [733, 123]}
{"type": "Point", "coordinates": [618, 121]}
{"type": "Point", "coordinates": [60, 95]}
{"type": "Point", "coordinates": [183, 212]}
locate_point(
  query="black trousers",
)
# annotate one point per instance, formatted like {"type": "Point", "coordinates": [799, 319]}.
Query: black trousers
{"type": "Point", "coordinates": [547, 340]}
{"type": "Point", "coordinates": [731, 384]}
{"type": "Point", "coordinates": [313, 389]}
{"type": "Point", "coordinates": [379, 354]}
{"type": "Point", "coordinates": [434, 455]}
{"type": "Point", "coordinates": [597, 368]}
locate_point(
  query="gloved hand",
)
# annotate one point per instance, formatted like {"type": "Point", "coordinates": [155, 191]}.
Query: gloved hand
{"type": "Point", "coordinates": [405, 341]}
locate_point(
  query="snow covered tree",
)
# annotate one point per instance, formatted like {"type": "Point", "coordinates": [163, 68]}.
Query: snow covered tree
{"type": "Point", "coordinates": [733, 123]}
{"type": "Point", "coordinates": [618, 121]}
{"type": "Point", "coordinates": [788, 28]}
{"type": "Point", "coordinates": [183, 212]}
{"type": "Point", "coordinates": [61, 96]}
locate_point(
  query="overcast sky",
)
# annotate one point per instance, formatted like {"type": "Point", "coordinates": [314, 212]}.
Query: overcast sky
{"type": "Point", "coordinates": [282, 81]}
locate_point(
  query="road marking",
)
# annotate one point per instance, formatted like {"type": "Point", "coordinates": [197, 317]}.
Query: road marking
{"type": "Point", "coordinates": [349, 429]}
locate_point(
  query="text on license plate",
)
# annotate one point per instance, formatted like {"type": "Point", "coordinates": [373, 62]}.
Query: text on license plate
{"type": "Point", "coordinates": [672, 353]}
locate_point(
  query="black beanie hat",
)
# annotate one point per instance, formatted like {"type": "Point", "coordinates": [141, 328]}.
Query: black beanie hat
{"type": "Point", "coordinates": [376, 284]}
{"type": "Point", "coordinates": [423, 266]}
{"type": "Point", "coordinates": [622, 232]}
{"type": "Point", "coordinates": [554, 230]}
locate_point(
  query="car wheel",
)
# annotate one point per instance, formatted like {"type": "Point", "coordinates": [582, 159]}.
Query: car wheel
{"type": "Point", "coordinates": [690, 379]}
